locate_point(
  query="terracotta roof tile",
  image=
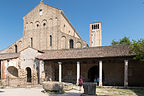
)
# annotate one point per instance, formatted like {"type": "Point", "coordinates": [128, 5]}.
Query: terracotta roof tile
{"type": "Point", "coordinates": [96, 52]}
{"type": "Point", "coordinates": [8, 56]}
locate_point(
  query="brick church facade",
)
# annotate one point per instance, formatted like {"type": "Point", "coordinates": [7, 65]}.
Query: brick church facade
{"type": "Point", "coordinates": [51, 49]}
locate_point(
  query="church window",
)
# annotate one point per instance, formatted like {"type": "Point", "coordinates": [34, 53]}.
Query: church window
{"type": "Point", "coordinates": [40, 11]}
{"type": "Point", "coordinates": [51, 40]}
{"type": "Point", "coordinates": [31, 42]}
{"type": "Point", "coordinates": [71, 44]}
{"type": "Point", "coordinates": [16, 49]}
{"type": "Point", "coordinates": [44, 24]}
{"type": "Point", "coordinates": [37, 25]}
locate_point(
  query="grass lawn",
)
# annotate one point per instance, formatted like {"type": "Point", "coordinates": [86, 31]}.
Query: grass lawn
{"type": "Point", "coordinates": [115, 91]}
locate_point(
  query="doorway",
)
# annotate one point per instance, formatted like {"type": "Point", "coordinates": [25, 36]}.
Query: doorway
{"type": "Point", "coordinates": [28, 74]}
{"type": "Point", "coordinates": [93, 73]}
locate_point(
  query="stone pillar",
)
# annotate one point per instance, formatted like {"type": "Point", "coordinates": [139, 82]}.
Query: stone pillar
{"type": "Point", "coordinates": [60, 71]}
{"type": "Point", "coordinates": [78, 71]}
{"type": "Point", "coordinates": [126, 73]}
{"type": "Point", "coordinates": [41, 71]}
{"type": "Point", "coordinates": [100, 73]}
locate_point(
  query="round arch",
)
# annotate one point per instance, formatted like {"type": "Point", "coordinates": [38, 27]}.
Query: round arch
{"type": "Point", "coordinates": [63, 42]}
{"type": "Point", "coordinates": [28, 70]}
{"type": "Point", "coordinates": [93, 73]}
{"type": "Point", "coordinates": [13, 71]}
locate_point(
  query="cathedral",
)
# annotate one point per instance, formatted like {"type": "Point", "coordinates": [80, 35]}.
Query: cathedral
{"type": "Point", "coordinates": [52, 50]}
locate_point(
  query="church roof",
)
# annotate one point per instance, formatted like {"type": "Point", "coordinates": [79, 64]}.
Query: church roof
{"type": "Point", "coordinates": [96, 52]}
{"type": "Point", "coordinates": [5, 56]}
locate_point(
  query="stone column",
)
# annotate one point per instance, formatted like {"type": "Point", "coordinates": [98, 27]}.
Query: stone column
{"type": "Point", "coordinates": [60, 71]}
{"type": "Point", "coordinates": [78, 71]}
{"type": "Point", "coordinates": [126, 73]}
{"type": "Point", "coordinates": [100, 73]}
{"type": "Point", "coordinates": [41, 71]}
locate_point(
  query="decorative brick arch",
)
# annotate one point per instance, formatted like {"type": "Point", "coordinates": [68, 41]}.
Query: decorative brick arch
{"type": "Point", "coordinates": [63, 42]}
{"type": "Point", "coordinates": [44, 23]}
{"type": "Point", "coordinates": [13, 71]}
{"type": "Point", "coordinates": [37, 24]}
{"type": "Point", "coordinates": [78, 45]}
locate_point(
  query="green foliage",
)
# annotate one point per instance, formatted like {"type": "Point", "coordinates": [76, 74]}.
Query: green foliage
{"type": "Point", "coordinates": [123, 41]}
{"type": "Point", "coordinates": [137, 47]}
{"type": "Point", "coordinates": [115, 42]}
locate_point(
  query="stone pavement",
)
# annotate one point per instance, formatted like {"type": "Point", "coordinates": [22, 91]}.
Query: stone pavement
{"type": "Point", "coordinates": [35, 92]}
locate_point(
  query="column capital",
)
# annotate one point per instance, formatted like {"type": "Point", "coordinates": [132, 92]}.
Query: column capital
{"type": "Point", "coordinates": [59, 62]}
{"type": "Point", "coordinates": [78, 62]}
{"type": "Point", "coordinates": [100, 61]}
{"type": "Point", "coordinates": [126, 60]}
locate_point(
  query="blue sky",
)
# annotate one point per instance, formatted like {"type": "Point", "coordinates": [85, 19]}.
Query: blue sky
{"type": "Point", "coordinates": [119, 18]}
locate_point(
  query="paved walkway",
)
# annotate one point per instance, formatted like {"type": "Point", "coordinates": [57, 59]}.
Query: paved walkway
{"type": "Point", "coordinates": [36, 92]}
{"type": "Point", "coordinates": [33, 92]}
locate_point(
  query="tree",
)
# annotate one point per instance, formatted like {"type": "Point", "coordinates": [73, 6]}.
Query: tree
{"type": "Point", "coordinates": [137, 47]}
{"type": "Point", "coordinates": [123, 41]}
{"type": "Point", "coordinates": [115, 42]}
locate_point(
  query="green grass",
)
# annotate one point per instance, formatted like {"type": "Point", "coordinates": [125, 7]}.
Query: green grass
{"type": "Point", "coordinates": [116, 91]}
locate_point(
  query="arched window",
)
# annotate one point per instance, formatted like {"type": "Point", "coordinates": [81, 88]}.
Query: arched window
{"type": "Point", "coordinates": [31, 42]}
{"type": "Point", "coordinates": [71, 43]}
{"type": "Point", "coordinates": [37, 25]}
{"type": "Point", "coordinates": [51, 40]}
{"type": "Point", "coordinates": [44, 24]}
{"type": "Point", "coordinates": [40, 11]}
{"type": "Point", "coordinates": [16, 49]}
{"type": "Point", "coordinates": [63, 42]}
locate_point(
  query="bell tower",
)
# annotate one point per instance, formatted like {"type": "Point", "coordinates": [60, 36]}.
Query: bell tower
{"type": "Point", "coordinates": [95, 34]}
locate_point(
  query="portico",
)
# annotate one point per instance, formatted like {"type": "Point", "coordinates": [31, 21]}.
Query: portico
{"type": "Point", "coordinates": [89, 69]}
{"type": "Point", "coordinates": [110, 66]}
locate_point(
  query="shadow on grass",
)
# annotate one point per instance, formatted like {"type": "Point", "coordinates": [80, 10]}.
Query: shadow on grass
{"type": "Point", "coordinates": [138, 91]}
